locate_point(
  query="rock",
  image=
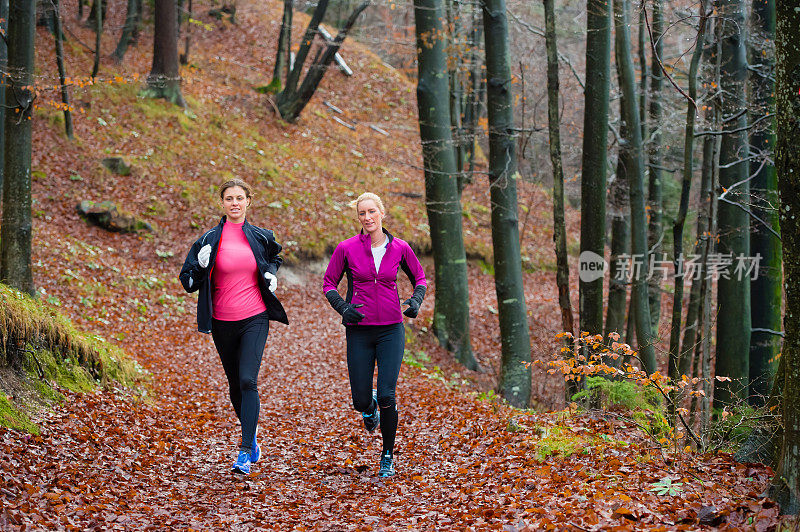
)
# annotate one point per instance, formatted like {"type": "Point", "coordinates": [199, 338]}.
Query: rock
{"type": "Point", "coordinates": [117, 165]}
{"type": "Point", "coordinates": [105, 214]}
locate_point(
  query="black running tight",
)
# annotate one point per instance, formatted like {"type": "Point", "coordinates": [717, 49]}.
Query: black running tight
{"type": "Point", "coordinates": [366, 345]}
{"type": "Point", "coordinates": [240, 345]}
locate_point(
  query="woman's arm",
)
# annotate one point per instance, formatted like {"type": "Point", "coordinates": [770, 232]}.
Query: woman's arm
{"type": "Point", "coordinates": [192, 275]}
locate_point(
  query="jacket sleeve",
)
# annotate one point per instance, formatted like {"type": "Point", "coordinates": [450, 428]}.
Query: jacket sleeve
{"type": "Point", "coordinates": [412, 267]}
{"type": "Point", "coordinates": [192, 276]}
{"type": "Point", "coordinates": [334, 271]}
{"type": "Point", "coordinates": [274, 260]}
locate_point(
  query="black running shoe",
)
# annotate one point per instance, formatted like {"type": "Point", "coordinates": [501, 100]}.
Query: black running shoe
{"type": "Point", "coordinates": [387, 465]}
{"type": "Point", "coordinates": [371, 421]}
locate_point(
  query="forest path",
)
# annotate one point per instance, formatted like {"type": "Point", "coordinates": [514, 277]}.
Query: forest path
{"type": "Point", "coordinates": [106, 461]}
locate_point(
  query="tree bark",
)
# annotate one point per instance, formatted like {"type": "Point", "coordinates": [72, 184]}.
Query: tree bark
{"type": "Point", "coordinates": [164, 80]}
{"type": "Point", "coordinates": [593, 163]}
{"type": "Point", "coordinates": [281, 72]}
{"type": "Point", "coordinates": [515, 378]}
{"type": "Point", "coordinates": [98, 14]}
{"type": "Point", "coordinates": [655, 194]}
{"type": "Point", "coordinates": [451, 307]}
{"type": "Point", "coordinates": [733, 294]}
{"type": "Point", "coordinates": [15, 232]}
{"type": "Point", "coordinates": [630, 115]}
{"type": "Point", "coordinates": [62, 77]}
{"type": "Point", "coordinates": [619, 207]}
{"type": "Point", "coordinates": [291, 104]}
{"type": "Point", "coordinates": [554, 130]}
{"type": "Point", "coordinates": [675, 363]}
{"type": "Point", "coordinates": [765, 289]}
{"type": "Point", "coordinates": [786, 483]}
{"type": "Point", "coordinates": [127, 31]}
{"type": "Point", "coordinates": [3, 84]}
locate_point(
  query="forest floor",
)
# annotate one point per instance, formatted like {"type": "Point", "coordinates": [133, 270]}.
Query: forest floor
{"type": "Point", "coordinates": [112, 459]}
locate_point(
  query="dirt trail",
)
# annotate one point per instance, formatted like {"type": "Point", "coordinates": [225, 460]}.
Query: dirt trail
{"type": "Point", "coordinates": [106, 461]}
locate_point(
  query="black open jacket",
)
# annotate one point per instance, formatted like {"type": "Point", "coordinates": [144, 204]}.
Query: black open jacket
{"type": "Point", "coordinates": [265, 250]}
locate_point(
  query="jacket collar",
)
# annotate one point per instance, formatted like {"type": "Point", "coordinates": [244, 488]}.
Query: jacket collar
{"type": "Point", "coordinates": [225, 219]}
{"type": "Point", "coordinates": [365, 239]}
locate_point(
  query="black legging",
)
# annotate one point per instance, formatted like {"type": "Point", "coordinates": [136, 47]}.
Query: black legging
{"type": "Point", "coordinates": [365, 345]}
{"type": "Point", "coordinates": [240, 345]}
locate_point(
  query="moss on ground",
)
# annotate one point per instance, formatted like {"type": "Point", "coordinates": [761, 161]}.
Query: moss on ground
{"type": "Point", "coordinates": [48, 353]}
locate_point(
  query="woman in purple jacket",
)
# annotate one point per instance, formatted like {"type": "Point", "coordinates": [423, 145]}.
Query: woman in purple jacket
{"type": "Point", "coordinates": [372, 315]}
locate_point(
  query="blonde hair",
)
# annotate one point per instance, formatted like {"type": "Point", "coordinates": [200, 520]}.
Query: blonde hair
{"type": "Point", "coordinates": [368, 196]}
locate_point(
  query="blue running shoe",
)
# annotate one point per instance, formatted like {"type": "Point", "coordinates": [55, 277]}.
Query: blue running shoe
{"type": "Point", "coordinates": [387, 465]}
{"type": "Point", "coordinates": [242, 464]}
{"type": "Point", "coordinates": [255, 453]}
{"type": "Point", "coordinates": [371, 421]}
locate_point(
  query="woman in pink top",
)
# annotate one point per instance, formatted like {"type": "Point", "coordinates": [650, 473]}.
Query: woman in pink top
{"type": "Point", "coordinates": [234, 267]}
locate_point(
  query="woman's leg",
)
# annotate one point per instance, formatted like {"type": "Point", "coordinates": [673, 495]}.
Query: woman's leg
{"type": "Point", "coordinates": [361, 366]}
{"type": "Point", "coordinates": [226, 339]}
{"type": "Point", "coordinates": [252, 339]}
{"type": "Point", "coordinates": [390, 346]}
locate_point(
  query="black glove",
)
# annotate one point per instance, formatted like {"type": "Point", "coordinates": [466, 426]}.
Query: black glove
{"type": "Point", "coordinates": [351, 315]}
{"type": "Point", "coordinates": [414, 302]}
{"type": "Point", "coordinates": [347, 310]}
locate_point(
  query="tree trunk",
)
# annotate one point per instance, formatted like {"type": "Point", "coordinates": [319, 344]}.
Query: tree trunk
{"type": "Point", "coordinates": [619, 205]}
{"type": "Point", "coordinates": [305, 45]}
{"type": "Point", "coordinates": [630, 115]}
{"type": "Point", "coordinates": [451, 307]}
{"type": "Point", "coordinates": [98, 33]}
{"type": "Point", "coordinates": [515, 378]}
{"type": "Point", "coordinates": [184, 57]}
{"type": "Point", "coordinates": [3, 85]}
{"type": "Point", "coordinates": [786, 483]}
{"type": "Point", "coordinates": [472, 99]}
{"type": "Point", "coordinates": [454, 73]}
{"type": "Point", "coordinates": [655, 195]}
{"type": "Point", "coordinates": [127, 31]}
{"type": "Point", "coordinates": [554, 129]}
{"type": "Point", "coordinates": [15, 232]}
{"type": "Point", "coordinates": [765, 289]}
{"type": "Point", "coordinates": [733, 294]}
{"type": "Point", "coordinates": [164, 80]}
{"type": "Point", "coordinates": [291, 104]}
{"type": "Point", "coordinates": [675, 363]}
{"type": "Point", "coordinates": [61, 73]}
{"type": "Point", "coordinates": [694, 310]}
{"type": "Point", "coordinates": [281, 72]}
{"type": "Point", "coordinates": [593, 163]}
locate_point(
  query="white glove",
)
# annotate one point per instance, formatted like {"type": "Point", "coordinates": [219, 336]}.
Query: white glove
{"type": "Point", "coordinates": [203, 255]}
{"type": "Point", "coordinates": [272, 280]}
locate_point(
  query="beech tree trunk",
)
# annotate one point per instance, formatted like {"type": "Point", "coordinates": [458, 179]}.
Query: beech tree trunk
{"type": "Point", "coordinates": [630, 115]}
{"type": "Point", "coordinates": [515, 378]}
{"type": "Point", "coordinates": [765, 289]}
{"type": "Point", "coordinates": [594, 158]}
{"type": "Point", "coordinates": [786, 483]}
{"type": "Point", "coordinates": [442, 199]}
{"type": "Point", "coordinates": [164, 80]}
{"type": "Point", "coordinates": [16, 229]}
{"type": "Point", "coordinates": [733, 293]}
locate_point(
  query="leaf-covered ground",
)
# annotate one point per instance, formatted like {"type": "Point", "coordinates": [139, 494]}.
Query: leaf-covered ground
{"type": "Point", "coordinates": [112, 460]}
{"type": "Point", "coordinates": [105, 460]}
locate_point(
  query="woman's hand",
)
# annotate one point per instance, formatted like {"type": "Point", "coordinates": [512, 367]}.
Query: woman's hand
{"type": "Point", "coordinates": [272, 280]}
{"type": "Point", "coordinates": [351, 315]}
{"type": "Point", "coordinates": [204, 255]}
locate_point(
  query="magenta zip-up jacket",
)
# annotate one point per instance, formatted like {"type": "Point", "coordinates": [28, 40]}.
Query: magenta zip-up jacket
{"type": "Point", "coordinates": [377, 291]}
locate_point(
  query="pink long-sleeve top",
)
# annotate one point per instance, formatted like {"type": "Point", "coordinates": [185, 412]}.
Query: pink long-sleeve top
{"type": "Point", "coordinates": [235, 277]}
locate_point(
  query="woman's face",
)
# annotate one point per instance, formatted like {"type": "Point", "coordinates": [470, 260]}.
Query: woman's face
{"type": "Point", "coordinates": [235, 203]}
{"type": "Point", "coordinates": [370, 216]}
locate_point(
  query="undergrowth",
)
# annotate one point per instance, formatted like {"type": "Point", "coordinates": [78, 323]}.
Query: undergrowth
{"type": "Point", "coordinates": [49, 354]}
